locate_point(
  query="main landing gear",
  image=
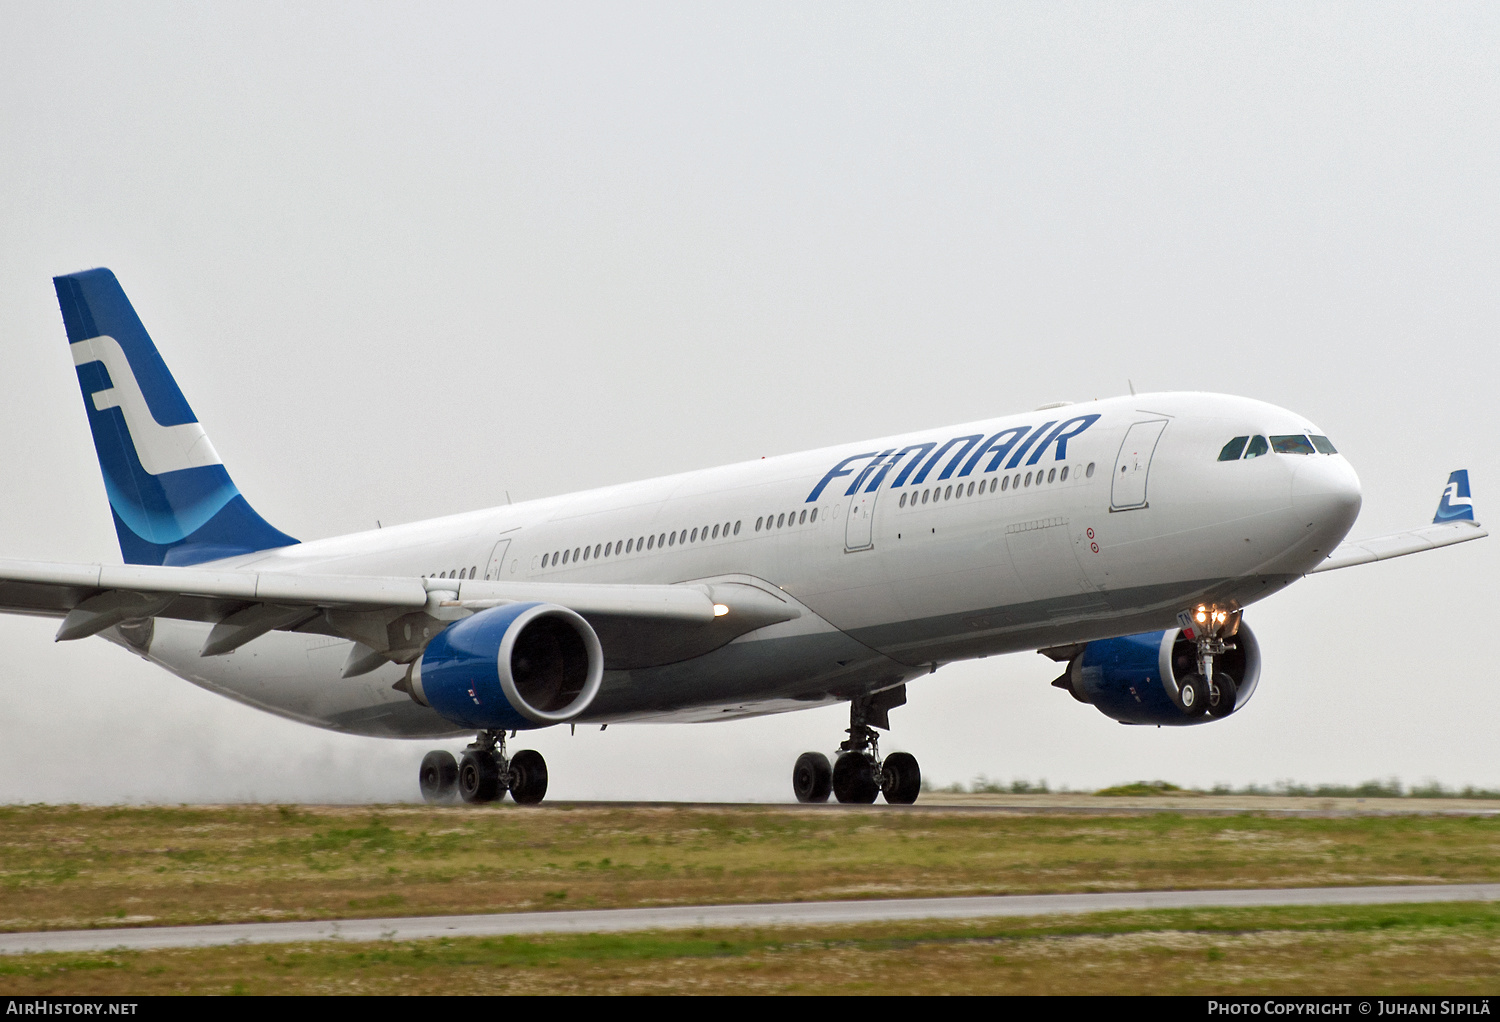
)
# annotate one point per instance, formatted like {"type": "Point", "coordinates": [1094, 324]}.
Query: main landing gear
{"type": "Point", "coordinates": [484, 774]}
{"type": "Point", "coordinates": [1207, 691]}
{"type": "Point", "coordinates": [859, 774]}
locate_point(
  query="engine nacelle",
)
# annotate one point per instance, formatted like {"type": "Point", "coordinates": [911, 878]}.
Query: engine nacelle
{"type": "Point", "coordinates": [1136, 679]}
{"type": "Point", "coordinates": [514, 667]}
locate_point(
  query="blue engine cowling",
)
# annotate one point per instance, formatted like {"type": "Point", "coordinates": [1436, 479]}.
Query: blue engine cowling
{"type": "Point", "coordinates": [514, 667]}
{"type": "Point", "coordinates": [1135, 678]}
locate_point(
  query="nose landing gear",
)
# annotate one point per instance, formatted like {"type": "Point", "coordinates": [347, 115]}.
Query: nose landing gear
{"type": "Point", "coordinates": [1206, 691]}
{"type": "Point", "coordinates": [858, 775]}
{"type": "Point", "coordinates": [484, 774]}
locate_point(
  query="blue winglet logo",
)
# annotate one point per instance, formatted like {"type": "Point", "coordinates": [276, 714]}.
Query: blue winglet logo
{"type": "Point", "coordinates": [1456, 505]}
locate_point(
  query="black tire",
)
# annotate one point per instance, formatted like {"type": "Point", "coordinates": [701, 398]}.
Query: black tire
{"type": "Point", "coordinates": [900, 778]}
{"type": "Point", "coordinates": [854, 779]}
{"type": "Point", "coordinates": [438, 776]}
{"type": "Point", "coordinates": [479, 776]}
{"type": "Point", "coordinates": [1222, 695]}
{"type": "Point", "coordinates": [528, 777]}
{"type": "Point", "coordinates": [812, 778]}
{"type": "Point", "coordinates": [1194, 695]}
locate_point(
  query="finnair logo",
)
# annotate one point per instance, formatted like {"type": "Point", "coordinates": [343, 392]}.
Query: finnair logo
{"type": "Point", "coordinates": [1457, 504]}
{"type": "Point", "coordinates": [159, 448]}
{"type": "Point", "coordinates": [965, 450]}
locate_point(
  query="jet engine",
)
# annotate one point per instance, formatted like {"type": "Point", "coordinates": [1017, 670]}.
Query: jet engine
{"type": "Point", "coordinates": [1138, 679]}
{"type": "Point", "coordinates": [513, 667]}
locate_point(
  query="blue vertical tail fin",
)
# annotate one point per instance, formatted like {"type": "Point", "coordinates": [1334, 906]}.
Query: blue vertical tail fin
{"type": "Point", "coordinates": [172, 500]}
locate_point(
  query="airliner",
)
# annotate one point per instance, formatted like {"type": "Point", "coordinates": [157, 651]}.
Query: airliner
{"type": "Point", "coordinates": [1122, 538]}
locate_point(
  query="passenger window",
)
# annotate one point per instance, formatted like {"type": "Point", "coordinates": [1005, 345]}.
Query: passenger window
{"type": "Point", "coordinates": [802, 518]}
{"type": "Point", "coordinates": [903, 501]}
{"type": "Point", "coordinates": [1028, 479]}
{"type": "Point", "coordinates": [597, 548]}
{"type": "Point", "coordinates": [694, 537]}
{"type": "Point", "coordinates": [1051, 475]}
{"type": "Point", "coordinates": [716, 532]}
{"type": "Point", "coordinates": [545, 558]}
{"type": "Point", "coordinates": [1064, 477]}
{"type": "Point", "coordinates": [949, 494]}
{"type": "Point", "coordinates": [1258, 446]}
{"type": "Point", "coordinates": [780, 521]}
{"type": "Point", "coordinates": [1005, 483]}
{"type": "Point", "coordinates": [757, 524]}
{"type": "Point", "coordinates": [1323, 445]}
{"type": "Point", "coordinates": [1292, 444]}
{"type": "Point", "coordinates": [650, 542]}
{"type": "Point", "coordinates": [575, 553]}
{"type": "Point", "coordinates": [585, 553]}
{"type": "Point", "coordinates": [1234, 449]}
{"type": "Point", "coordinates": [925, 495]}
{"type": "Point", "coordinates": [736, 528]}
{"type": "Point", "coordinates": [971, 489]}
{"type": "Point", "coordinates": [671, 539]}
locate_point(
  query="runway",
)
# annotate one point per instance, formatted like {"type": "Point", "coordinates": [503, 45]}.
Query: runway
{"type": "Point", "coordinates": [814, 913]}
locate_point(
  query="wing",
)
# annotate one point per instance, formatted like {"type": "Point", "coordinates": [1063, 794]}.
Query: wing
{"type": "Point", "coordinates": [391, 618]}
{"type": "Point", "coordinates": [1453, 523]}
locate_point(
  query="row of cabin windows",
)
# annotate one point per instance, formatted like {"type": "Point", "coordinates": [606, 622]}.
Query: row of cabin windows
{"type": "Point", "coordinates": [472, 572]}
{"type": "Point", "coordinates": [1293, 443]}
{"type": "Point", "coordinates": [780, 521]}
{"type": "Point", "coordinates": [1004, 483]}
{"type": "Point", "coordinates": [621, 547]}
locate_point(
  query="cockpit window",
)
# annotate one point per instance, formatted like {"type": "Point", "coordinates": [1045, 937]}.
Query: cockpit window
{"type": "Point", "coordinates": [1258, 446]}
{"type": "Point", "coordinates": [1323, 445]}
{"type": "Point", "coordinates": [1233, 449]}
{"type": "Point", "coordinates": [1294, 444]}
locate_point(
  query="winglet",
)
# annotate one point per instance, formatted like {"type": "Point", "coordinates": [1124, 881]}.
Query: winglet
{"type": "Point", "coordinates": [1456, 504]}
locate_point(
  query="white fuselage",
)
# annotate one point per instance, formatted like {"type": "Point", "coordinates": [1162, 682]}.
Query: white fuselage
{"type": "Point", "coordinates": [891, 585]}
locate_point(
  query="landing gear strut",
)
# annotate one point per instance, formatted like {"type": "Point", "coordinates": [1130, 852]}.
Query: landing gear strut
{"type": "Point", "coordinates": [858, 774]}
{"type": "Point", "coordinates": [484, 774]}
{"type": "Point", "coordinates": [1206, 691]}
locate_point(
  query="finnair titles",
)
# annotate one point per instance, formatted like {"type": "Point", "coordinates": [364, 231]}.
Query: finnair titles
{"type": "Point", "coordinates": [1123, 538]}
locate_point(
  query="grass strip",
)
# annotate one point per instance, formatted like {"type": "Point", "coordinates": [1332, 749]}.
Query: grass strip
{"type": "Point", "coordinates": [1406, 949]}
{"type": "Point", "coordinates": [65, 867]}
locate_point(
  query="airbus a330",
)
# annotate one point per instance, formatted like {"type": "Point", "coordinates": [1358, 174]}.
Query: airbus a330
{"type": "Point", "coordinates": [1121, 537]}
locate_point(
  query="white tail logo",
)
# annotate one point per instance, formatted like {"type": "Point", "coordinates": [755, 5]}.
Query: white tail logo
{"type": "Point", "coordinates": [160, 448]}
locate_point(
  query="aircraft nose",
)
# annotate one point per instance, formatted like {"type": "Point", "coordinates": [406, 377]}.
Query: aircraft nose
{"type": "Point", "coordinates": [1326, 494]}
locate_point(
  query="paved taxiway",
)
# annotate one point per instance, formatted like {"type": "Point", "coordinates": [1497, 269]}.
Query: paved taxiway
{"type": "Point", "coordinates": [815, 913]}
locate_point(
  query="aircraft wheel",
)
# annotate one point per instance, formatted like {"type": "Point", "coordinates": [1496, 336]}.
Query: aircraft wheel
{"type": "Point", "coordinates": [854, 779]}
{"type": "Point", "coordinates": [1222, 695]}
{"type": "Point", "coordinates": [438, 776]}
{"type": "Point", "coordinates": [812, 777]}
{"type": "Point", "coordinates": [900, 778]}
{"type": "Point", "coordinates": [1194, 695]}
{"type": "Point", "coordinates": [479, 777]}
{"type": "Point", "coordinates": [528, 777]}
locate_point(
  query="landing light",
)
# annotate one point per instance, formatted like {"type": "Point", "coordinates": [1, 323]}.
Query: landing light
{"type": "Point", "coordinates": [720, 610]}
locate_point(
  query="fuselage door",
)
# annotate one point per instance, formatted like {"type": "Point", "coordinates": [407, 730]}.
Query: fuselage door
{"type": "Point", "coordinates": [859, 533]}
{"type": "Point", "coordinates": [497, 561]}
{"type": "Point", "coordinates": [1128, 490]}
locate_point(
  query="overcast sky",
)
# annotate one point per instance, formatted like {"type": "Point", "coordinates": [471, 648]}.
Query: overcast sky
{"type": "Point", "coordinates": [406, 259]}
